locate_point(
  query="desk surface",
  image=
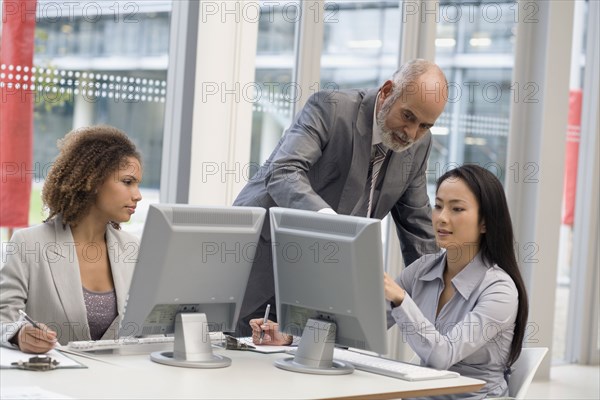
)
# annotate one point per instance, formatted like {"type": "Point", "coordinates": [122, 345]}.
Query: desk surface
{"type": "Point", "coordinates": [251, 375]}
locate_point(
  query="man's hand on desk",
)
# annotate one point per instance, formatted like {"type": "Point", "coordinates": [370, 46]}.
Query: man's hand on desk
{"type": "Point", "coordinates": [272, 336]}
{"type": "Point", "coordinates": [33, 340]}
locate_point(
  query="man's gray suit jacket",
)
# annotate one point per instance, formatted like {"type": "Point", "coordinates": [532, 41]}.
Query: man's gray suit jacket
{"type": "Point", "coordinates": [322, 161]}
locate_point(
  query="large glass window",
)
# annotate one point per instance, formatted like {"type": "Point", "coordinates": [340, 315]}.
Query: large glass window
{"type": "Point", "coordinates": [361, 43]}
{"type": "Point", "coordinates": [273, 100]}
{"type": "Point", "coordinates": [474, 47]}
{"type": "Point", "coordinates": [101, 63]}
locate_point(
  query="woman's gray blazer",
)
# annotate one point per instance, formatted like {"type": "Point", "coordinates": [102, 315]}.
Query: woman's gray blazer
{"type": "Point", "coordinates": [40, 275]}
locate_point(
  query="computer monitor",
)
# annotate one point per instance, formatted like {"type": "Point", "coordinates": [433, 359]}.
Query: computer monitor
{"type": "Point", "coordinates": [328, 285]}
{"type": "Point", "coordinates": [190, 278]}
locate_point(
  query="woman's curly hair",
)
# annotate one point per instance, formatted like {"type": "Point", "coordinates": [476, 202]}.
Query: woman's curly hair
{"type": "Point", "coordinates": [87, 157]}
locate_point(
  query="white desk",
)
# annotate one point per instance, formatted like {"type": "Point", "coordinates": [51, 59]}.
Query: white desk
{"type": "Point", "coordinates": [251, 375]}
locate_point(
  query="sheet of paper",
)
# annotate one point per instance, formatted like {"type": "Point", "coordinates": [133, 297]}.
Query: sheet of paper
{"type": "Point", "coordinates": [8, 356]}
{"type": "Point", "coordinates": [265, 349]}
{"type": "Point", "coordinates": [29, 392]}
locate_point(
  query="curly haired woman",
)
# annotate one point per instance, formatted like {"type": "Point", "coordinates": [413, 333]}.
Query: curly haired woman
{"type": "Point", "coordinates": [73, 271]}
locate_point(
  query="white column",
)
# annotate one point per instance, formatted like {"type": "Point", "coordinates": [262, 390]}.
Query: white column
{"type": "Point", "coordinates": [175, 168]}
{"type": "Point", "coordinates": [419, 19]}
{"type": "Point", "coordinates": [270, 134]}
{"type": "Point", "coordinates": [83, 111]}
{"type": "Point", "coordinates": [221, 133]}
{"type": "Point", "coordinates": [309, 44]}
{"type": "Point", "coordinates": [536, 155]}
{"type": "Point", "coordinates": [582, 325]}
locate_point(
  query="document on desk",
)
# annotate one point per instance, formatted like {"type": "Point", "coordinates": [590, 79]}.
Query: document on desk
{"type": "Point", "coordinates": [8, 356]}
{"type": "Point", "coordinates": [265, 349]}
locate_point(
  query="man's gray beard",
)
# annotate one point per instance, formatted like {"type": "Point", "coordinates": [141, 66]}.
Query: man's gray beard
{"type": "Point", "coordinates": [387, 135]}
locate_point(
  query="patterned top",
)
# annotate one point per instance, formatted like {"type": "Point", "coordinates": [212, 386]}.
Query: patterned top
{"type": "Point", "coordinates": [101, 311]}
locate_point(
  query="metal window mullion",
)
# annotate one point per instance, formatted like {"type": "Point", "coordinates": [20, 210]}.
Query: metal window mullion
{"type": "Point", "coordinates": [310, 32]}
{"type": "Point", "coordinates": [179, 105]}
{"type": "Point", "coordinates": [582, 325]}
{"type": "Point", "coordinates": [418, 30]}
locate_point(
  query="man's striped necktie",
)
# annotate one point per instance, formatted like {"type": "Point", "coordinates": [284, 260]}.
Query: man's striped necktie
{"type": "Point", "coordinates": [377, 156]}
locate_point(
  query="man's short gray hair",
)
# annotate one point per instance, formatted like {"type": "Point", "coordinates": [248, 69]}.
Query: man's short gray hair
{"type": "Point", "coordinates": [409, 74]}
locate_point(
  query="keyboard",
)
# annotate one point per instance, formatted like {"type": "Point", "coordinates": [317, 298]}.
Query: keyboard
{"type": "Point", "coordinates": [125, 345]}
{"type": "Point", "coordinates": [391, 368]}
{"type": "Point", "coordinates": [132, 345]}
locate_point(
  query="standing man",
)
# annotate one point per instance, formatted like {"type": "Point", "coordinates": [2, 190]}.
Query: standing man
{"type": "Point", "coordinates": [327, 159]}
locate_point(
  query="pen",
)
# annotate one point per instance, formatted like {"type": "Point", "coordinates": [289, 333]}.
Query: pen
{"type": "Point", "coordinates": [265, 319]}
{"type": "Point", "coordinates": [28, 319]}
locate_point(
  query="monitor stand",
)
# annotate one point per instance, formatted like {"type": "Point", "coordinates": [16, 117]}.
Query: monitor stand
{"type": "Point", "coordinates": [192, 346]}
{"type": "Point", "coordinates": [315, 352]}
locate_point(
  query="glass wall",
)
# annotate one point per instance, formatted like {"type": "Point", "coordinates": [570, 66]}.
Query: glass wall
{"type": "Point", "coordinates": [273, 100]}
{"type": "Point", "coordinates": [361, 43]}
{"type": "Point", "coordinates": [101, 63]}
{"type": "Point", "coordinates": [474, 47]}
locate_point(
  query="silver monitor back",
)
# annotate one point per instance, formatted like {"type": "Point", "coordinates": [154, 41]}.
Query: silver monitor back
{"type": "Point", "coordinates": [192, 259]}
{"type": "Point", "coordinates": [330, 268]}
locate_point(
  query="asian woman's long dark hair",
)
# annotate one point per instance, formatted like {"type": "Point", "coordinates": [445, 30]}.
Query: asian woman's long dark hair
{"type": "Point", "coordinates": [497, 243]}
